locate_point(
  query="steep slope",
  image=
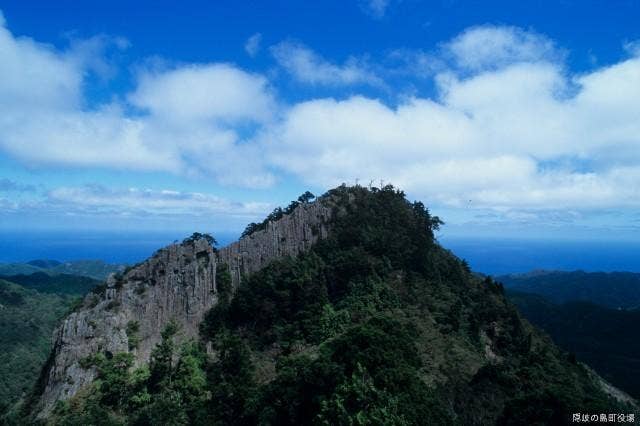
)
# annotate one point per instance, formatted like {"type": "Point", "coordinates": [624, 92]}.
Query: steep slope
{"type": "Point", "coordinates": [612, 289]}
{"type": "Point", "coordinates": [128, 313]}
{"type": "Point", "coordinates": [603, 338]}
{"type": "Point", "coordinates": [344, 311]}
{"type": "Point", "coordinates": [27, 319]}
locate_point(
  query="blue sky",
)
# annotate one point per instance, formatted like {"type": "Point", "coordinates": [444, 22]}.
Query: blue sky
{"type": "Point", "coordinates": [506, 118]}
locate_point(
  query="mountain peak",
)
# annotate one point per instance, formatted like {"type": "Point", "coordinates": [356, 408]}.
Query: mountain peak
{"type": "Point", "coordinates": [350, 287]}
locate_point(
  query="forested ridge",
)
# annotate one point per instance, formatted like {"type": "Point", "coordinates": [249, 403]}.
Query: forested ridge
{"type": "Point", "coordinates": [376, 324]}
{"type": "Point", "coordinates": [30, 308]}
{"type": "Point", "coordinates": [605, 339]}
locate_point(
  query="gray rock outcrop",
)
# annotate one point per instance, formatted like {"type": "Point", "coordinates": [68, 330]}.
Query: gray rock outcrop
{"type": "Point", "coordinates": [178, 283]}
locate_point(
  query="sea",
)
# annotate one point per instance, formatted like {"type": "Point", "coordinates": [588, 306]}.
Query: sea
{"type": "Point", "coordinates": [493, 256]}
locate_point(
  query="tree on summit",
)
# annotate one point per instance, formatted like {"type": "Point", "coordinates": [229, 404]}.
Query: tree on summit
{"type": "Point", "coordinates": [201, 236]}
{"type": "Point", "coordinates": [306, 197]}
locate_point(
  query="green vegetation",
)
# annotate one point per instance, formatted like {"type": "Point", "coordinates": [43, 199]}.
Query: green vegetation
{"type": "Point", "coordinates": [611, 289]}
{"type": "Point", "coordinates": [27, 319]}
{"type": "Point", "coordinates": [18, 268]}
{"type": "Point", "coordinates": [200, 236]}
{"type": "Point", "coordinates": [224, 286]}
{"type": "Point", "coordinates": [133, 327]}
{"type": "Point", "coordinates": [95, 269]}
{"type": "Point", "coordinates": [603, 338]}
{"type": "Point", "coordinates": [277, 214]}
{"type": "Point", "coordinates": [171, 390]}
{"type": "Point", "coordinates": [54, 284]}
{"type": "Point", "coordinates": [376, 324]}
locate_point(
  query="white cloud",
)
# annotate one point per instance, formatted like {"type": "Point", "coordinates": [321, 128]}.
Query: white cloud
{"type": "Point", "coordinates": [100, 207]}
{"type": "Point", "coordinates": [189, 122]}
{"type": "Point", "coordinates": [252, 46]}
{"type": "Point", "coordinates": [33, 76]}
{"type": "Point", "coordinates": [97, 199]}
{"type": "Point", "coordinates": [204, 92]}
{"type": "Point", "coordinates": [308, 67]}
{"type": "Point", "coordinates": [510, 127]}
{"type": "Point", "coordinates": [524, 136]}
{"type": "Point", "coordinates": [490, 47]}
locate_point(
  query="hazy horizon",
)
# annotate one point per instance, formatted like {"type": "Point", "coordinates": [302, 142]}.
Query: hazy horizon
{"type": "Point", "coordinates": [488, 255]}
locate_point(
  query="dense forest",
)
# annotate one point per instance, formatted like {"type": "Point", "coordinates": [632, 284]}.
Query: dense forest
{"type": "Point", "coordinates": [377, 324]}
{"type": "Point", "coordinates": [30, 308]}
{"type": "Point", "coordinates": [611, 289]}
{"type": "Point", "coordinates": [605, 339]}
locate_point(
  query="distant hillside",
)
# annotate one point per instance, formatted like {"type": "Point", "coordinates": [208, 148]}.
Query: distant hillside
{"type": "Point", "coordinates": [96, 269]}
{"type": "Point", "coordinates": [605, 339]}
{"type": "Point", "coordinates": [60, 284]}
{"type": "Point", "coordinates": [613, 289]}
{"type": "Point", "coordinates": [27, 319]}
{"type": "Point", "coordinates": [18, 268]}
{"type": "Point", "coordinates": [344, 310]}
{"type": "Point", "coordinates": [44, 263]}
{"type": "Point", "coordinates": [89, 268]}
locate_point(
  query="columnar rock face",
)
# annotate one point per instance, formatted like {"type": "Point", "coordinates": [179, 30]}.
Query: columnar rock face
{"type": "Point", "coordinates": [288, 236]}
{"type": "Point", "coordinates": [177, 283]}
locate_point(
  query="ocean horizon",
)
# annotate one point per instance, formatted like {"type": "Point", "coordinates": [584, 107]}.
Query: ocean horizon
{"type": "Point", "coordinates": [492, 256]}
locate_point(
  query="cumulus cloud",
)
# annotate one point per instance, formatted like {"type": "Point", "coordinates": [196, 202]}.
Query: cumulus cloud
{"type": "Point", "coordinates": [35, 76]}
{"type": "Point", "coordinates": [252, 46]}
{"type": "Point", "coordinates": [489, 47]}
{"type": "Point", "coordinates": [526, 135]}
{"type": "Point", "coordinates": [204, 92]}
{"type": "Point", "coordinates": [186, 121]}
{"type": "Point", "coordinates": [308, 67]}
{"type": "Point", "coordinates": [509, 127]}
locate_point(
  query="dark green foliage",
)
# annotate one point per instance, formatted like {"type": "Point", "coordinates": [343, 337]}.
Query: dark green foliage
{"type": "Point", "coordinates": [358, 401]}
{"type": "Point", "coordinates": [171, 391]}
{"type": "Point", "coordinates": [132, 334]}
{"type": "Point", "coordinates": [611, 289]}
{"type": "Point", "coordinates": [603, 338]}
{"type": "Point", "coordinates": [113, 374]}
{"type": "Point", "coordinates": [376, 324]}
{"type": "Point", "coordinates": [161, 363]}
{"type": "Point", "coordinates": [224, 286]}
{"type": "Point", "coordinates": [27, 319]}
{"type": "Point", "coordinates": [200, 236]}
{"type": "Point", "coordinates": [382, 346]}
{"type": "Point", "coordinates": [250, 229]}
{"type": "Point", "coordinates": [232, 386]}
{"type": "Point", "coordinates": [385, 225]}
{"type": "Point", "coordinates": [306, 197]}
{"type": "Point", "coordinates": [368, 374]}
{"type": "Point", "coordinates": [282, 302]}
{"type": "Point", "coordinates": [277, 214]}
{"type": "Point", "coordinates": [58, 284]}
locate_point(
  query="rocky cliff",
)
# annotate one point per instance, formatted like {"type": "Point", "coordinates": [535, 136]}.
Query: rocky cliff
{"type": "Point", "coordinates": [178, 283]}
